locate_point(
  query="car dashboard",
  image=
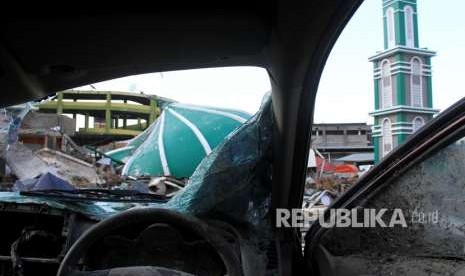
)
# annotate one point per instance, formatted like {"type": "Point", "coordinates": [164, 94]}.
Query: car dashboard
{"type": "Point", "coordinates": [35, 239]}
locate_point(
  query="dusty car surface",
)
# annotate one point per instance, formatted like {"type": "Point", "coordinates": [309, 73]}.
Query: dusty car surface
{"type": "Point", "coordinates": [223, 221]}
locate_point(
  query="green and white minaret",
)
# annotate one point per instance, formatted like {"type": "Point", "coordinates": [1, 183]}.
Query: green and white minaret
{"type": "Point", "coordinates": [402, 79]}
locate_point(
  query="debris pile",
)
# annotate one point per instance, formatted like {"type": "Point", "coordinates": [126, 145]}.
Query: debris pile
{"type": "Point", "coordinates": [326, 181]}
{"type": "Point", "coordinates": [159, 160]}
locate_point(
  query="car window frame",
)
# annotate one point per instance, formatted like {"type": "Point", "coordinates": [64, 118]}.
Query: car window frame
{"type": "Point", "coordinates": [443, 130]}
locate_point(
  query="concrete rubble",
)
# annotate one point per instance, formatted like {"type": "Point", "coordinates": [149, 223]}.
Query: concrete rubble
{"type": "Point", "coordinates": [23, 163]}
{"type": "Point", "coordinates": [76, 171]}
{"type": "Point", "coordinates": [33, 144]}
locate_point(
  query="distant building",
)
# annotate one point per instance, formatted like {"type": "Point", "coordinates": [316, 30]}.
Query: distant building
{"type": "Point", "coordinates": [40, 130]}
{"type": "Point", "coordinates": [108, 115]}
{"type": "Point", "coordinates": [341, 139]}
{"type": "Point", "coordinates": [357, 159]}
{"type": "Point", "coordinates": [402, 79]}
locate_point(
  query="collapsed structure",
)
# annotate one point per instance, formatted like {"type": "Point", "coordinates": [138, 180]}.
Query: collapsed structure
{"type": "Point", "coordinates": [179, 140]}
{"type": "Point", "coordinates": [140, 138]}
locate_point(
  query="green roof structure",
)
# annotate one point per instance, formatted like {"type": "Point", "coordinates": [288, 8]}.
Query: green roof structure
{"type": "Point", "coordinates": [178, 140]}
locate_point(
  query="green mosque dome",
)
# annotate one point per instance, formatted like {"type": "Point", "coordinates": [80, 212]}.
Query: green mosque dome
{"type": "Point", "coordinates": [178, 140]}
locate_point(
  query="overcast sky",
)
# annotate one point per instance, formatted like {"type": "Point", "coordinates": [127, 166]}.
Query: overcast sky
{"type": "Point", "coordinates": [346, 88]}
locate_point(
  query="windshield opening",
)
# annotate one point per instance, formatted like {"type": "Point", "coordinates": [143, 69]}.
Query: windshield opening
{"type": "Point", "coordinates": [138, 135]}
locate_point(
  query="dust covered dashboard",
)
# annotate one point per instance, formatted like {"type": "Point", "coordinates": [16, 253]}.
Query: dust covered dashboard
{"type": "Point", "coordinates": [34, 238]}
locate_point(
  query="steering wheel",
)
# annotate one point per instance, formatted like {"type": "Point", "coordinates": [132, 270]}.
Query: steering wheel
{"type": "Point", "coordinates": [70, 264]}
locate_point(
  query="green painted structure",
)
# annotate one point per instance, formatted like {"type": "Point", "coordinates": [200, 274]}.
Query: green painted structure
{"type": "Point", "coordinates": [179, 139]}
{"type": "Point", "coordinates": [111, 110]}
{"type": "Point", "coordinates": [123, 154]}
{"type": "Point", "coordinates": [402, 79]}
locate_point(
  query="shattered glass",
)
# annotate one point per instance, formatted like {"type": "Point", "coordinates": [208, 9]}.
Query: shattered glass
{"type": "Point", "coordinates": [430, 197]}
{"type": "Point", "coordinates": [95, 210]}
{"type": "Point", "coordinates": [234, 182]}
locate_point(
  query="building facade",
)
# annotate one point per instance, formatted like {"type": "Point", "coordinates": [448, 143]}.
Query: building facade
{"type": "Point", "coordinates": [402, 79]}
{"type": "Point", "coordinates": [341, 139]}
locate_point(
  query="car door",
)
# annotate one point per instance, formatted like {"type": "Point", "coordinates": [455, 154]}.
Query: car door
{"type": "Point", "coordinates": [421, 185]}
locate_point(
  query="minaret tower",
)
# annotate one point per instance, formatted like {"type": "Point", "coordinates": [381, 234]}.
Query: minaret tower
{"type": "Point", "coordinates": [402, 79]}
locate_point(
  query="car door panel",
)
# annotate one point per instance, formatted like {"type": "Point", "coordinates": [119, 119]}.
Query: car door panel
{"type": "Point", "coordinates": [429, 190]}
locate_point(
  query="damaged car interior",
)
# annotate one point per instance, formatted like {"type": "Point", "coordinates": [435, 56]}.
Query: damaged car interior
{"type": "Point", "coordinates": [217, 218]}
